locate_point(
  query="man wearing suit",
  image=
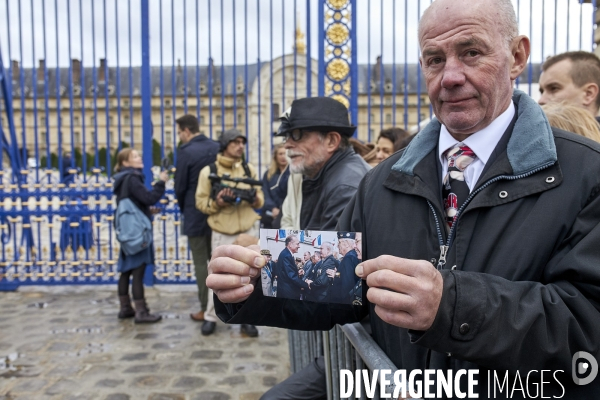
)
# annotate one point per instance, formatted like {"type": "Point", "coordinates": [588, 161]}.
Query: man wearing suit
{"type": "Point", "coordinates": [345, 278]}
{"type": "Point", "coordinates": [312, 267]}
{"type": "Point", "coordinates": [196, 152]}
{"type": "Point", "coordinates": [323, 275]}
{"type": "Point", "coordinates": [266, 274]}
{"type": "Point", "coordinates": [289, 284]}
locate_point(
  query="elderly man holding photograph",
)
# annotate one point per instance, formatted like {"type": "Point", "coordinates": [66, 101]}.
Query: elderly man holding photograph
{"type": "Point", "coordinates": [480, 239]}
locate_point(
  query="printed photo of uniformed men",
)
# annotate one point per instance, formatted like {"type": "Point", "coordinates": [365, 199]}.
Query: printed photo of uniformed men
{"type": "Point", "coordinates": [311, 265]}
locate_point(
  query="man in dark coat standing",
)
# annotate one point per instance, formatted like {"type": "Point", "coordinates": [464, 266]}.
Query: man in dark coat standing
{"type": "Point", "coordinates": [323, 275]}
{"type": "Point", "coordinates": [195, 152]}
{"type": "Point", "coordinates": [345, 278]}
{"type": "Point", "coordinates": [512, 288]}
{"type": "Point", "coordinates": [289, 284]}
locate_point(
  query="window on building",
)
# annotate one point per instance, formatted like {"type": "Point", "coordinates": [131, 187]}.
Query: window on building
{"type": "Point", "coordinates": [92, 120]}
{"type": "Point", "coordinates": [240, 119]}
{"type": "Point", "coordinates": [43, 120]}
{"type": "Point", "coordinates": [167, 119]}
{"type": "Point", "coordinates": [372, 133]}
{"type": "Point", "coordinates": [275, 112]}
{"type": "Point", "coordinates": [372, 117]}
{"type": "Point", "coordinates": [126, 118]}
{"type": "Point", "coordinates": [126, 103]}
{"type": "Point", "coordinates": [127, 135]}
{"type": "Point", "coordinates": [77, 139]}
{"type": "Point", "coordinates": [168, 137]}
{"type": "Point", "coordinates": [168, 102]}
{"type": "Point", "coordinates": [219, 133]}
{"type": "Point", "coordinates": [43, 137]}
{"type": "Point", "coordinates": [76, 120]}
{"type": "Point", "coordinates": [423, 116]}
{"type": "Point", "coordinates": [202, 120]}
{"type": "Point", "coordinates": [388, 118]}
{"type": "Point", "coordinates": [218, 119]}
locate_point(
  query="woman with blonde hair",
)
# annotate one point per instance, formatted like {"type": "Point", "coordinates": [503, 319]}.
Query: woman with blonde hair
{"type": "Point", "coordinates": [275, 188]}
{"type": "Point", "coordinates": [573, 119]}
{"type": "Point", "coordinates": [129, 183]}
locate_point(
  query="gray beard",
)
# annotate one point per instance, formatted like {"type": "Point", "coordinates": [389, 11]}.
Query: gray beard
{"type": "Point", "coordinates": [308, 171]}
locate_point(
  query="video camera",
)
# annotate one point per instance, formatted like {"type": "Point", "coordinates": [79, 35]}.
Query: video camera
{"type": "Point", "coordinates": [238, 194]}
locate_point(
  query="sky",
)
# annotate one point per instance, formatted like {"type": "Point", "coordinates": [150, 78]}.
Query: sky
{"type": "Point", "coordinates": [231, 31]}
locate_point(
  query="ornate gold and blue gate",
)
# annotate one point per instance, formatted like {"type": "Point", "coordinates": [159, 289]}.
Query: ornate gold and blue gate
{"type": "Point", "coordinates": [81, 79]}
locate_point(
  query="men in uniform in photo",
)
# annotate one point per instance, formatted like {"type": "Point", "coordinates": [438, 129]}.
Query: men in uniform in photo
{"type": "Point", "coordinates": [345, 277]}
{"type": "Point", "coordinates": [266, 274]}
{"type": "Point", "coordinates": [324, 273]}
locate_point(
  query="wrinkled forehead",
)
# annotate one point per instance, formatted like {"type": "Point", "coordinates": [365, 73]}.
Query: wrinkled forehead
{"type": "Point", "coordinates": [445, 19]}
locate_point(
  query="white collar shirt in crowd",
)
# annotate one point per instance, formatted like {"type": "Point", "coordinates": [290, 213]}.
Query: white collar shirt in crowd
{"type": "Point", "coordinates": [482, 143]}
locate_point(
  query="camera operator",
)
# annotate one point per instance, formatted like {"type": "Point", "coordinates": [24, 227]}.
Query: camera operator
{"type": "Point", "coordinates": [229, 203]}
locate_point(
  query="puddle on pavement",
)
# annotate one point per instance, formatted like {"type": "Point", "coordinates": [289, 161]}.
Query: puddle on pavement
{"type": "Point", "coordinates": [37, 305]}
{"type": "Point", "coordinates": [77, 330]}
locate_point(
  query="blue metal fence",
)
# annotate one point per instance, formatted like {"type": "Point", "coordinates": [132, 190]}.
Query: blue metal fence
{"type": "Point", "coordinates": [83, 78]}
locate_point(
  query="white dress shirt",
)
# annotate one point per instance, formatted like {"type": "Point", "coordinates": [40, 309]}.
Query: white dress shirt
{"type": "Point", "coordinates": [482, 143]}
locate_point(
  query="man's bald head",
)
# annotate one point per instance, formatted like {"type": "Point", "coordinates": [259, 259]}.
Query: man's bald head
{"type": "Point", "coordinates": [504, 11]}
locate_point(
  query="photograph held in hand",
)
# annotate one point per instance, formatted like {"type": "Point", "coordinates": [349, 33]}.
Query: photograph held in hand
{"type": "Point", "coordinates": [314, 266]}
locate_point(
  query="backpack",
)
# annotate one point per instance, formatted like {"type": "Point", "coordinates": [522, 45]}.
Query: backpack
{"type": "Point", "coordinates": [133, 228]}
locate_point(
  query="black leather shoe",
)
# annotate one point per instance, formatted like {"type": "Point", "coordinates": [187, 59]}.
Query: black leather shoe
{"type": "Point", "coordinates": [249, 330]}
{"type": "Point", "coordinates": [208, 328]}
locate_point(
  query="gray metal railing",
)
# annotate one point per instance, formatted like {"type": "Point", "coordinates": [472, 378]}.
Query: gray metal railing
{"type": "Point", "coordinates": [345, 347]}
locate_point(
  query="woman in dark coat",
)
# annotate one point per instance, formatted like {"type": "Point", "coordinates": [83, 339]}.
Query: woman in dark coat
{"type": "Point", "coordinates": [275, 188]}
{"type": "Point", "coordinates": [129, 183]}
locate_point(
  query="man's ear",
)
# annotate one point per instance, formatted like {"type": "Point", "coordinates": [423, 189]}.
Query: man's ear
{"type": "Point", "coordinates": [520, 49]}
{"type": "Point", "coordinates": [590, 91]}
{"type": "Point", "coordinates": [332, 141]}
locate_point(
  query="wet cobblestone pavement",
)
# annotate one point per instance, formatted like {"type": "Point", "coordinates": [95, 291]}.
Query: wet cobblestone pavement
{"type": "Point", "coordinates": [65, 342]}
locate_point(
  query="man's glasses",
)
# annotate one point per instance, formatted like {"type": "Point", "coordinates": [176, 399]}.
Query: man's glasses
{"type": "Point", "coordinates": [295, 134]}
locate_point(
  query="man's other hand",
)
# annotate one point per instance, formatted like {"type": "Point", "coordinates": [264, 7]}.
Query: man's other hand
{"type": "Point", "coordinates": [233, 272]}
{"type": "Point", "coordinates": [406, 293]}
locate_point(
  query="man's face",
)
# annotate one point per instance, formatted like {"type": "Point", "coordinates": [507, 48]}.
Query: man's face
{"type": "Point", "coordinates": [306, 256]}
{"type": "Point", "coordinates": [556, 85]}
{"type": "Point", "coordinates": [467, 65]}
{"type": "Point", "coordinates": [324, 251]}
{"type": "Point", "coordinates": [235, 148]}
{"type": "Point", "coordinates": [294, 245]}
{"type": "Point", "coordinates": [308, 155]}
{"type": "Point", "coordinates": [345, 246]}
{"type": "Point", "coordinates": [184, 134]}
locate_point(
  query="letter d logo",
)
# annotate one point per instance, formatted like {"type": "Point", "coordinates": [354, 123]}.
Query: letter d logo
{"type": "Point", "coordinates": [582, 367]}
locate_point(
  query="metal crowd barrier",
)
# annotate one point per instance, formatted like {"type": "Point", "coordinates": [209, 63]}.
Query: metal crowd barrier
{"type": "Point", "coordinates": [345, 347]}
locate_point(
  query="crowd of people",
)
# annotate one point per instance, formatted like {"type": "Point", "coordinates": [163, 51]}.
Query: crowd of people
{"type": "Point", "coordinates": [479, 233]}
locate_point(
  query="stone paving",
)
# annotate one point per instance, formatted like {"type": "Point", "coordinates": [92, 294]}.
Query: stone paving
{"type": "Point", "coordinates": [66, 343]}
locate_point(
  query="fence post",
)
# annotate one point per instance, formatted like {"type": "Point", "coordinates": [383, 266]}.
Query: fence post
{"type": "Point", "coordinates": [146, 113]}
